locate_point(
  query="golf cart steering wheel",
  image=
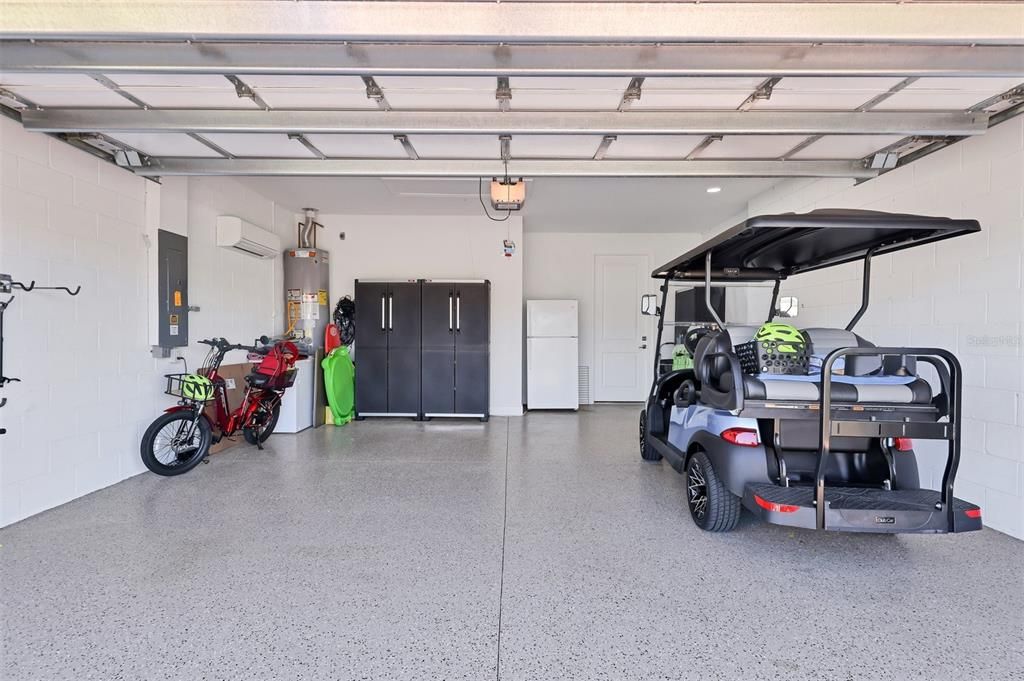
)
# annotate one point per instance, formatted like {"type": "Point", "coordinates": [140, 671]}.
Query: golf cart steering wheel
{"type": "Point", "coordinates": [693, 336]}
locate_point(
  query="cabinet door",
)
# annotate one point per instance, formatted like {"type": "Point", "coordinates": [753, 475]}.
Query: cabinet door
{"type": "Point", "coordinates": [371, 380]}
{"type": "Point", "coordinates": [471, 381]}
{"type": "Point", "coordinates": [371, 315]}
{"type": "Point", "coordinates": [403, 315]}
{"type": "Point", "coordinates": [472, 315]}
{"type": "Point", "coordinates": [403, 380]}
{"type": "Point", "coordinates": [438, 384]}
{"type": "Point", "coordinates": [438, 315]}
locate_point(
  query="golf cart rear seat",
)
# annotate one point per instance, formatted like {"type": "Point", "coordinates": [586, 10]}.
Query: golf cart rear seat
{"type": "Point", "coordinates": [863, 381]}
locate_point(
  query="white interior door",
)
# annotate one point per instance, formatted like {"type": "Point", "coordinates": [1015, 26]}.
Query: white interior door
{"type": "Point", "coordinates": [621, 337]}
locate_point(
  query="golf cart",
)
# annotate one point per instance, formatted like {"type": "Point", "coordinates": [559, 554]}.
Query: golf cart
{"type": "Point", "coordinates": [809, 428]}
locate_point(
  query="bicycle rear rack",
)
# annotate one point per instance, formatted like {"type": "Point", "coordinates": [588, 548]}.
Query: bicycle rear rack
{"type": "Point", "coordinates": [949, 401]}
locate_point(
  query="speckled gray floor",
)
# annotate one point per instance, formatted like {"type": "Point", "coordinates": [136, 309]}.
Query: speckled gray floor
{"type": "Point", "coordinates": [530, 549]}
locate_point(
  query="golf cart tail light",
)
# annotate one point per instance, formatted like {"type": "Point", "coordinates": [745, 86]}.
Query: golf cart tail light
{"type": "Point", "coordinates": [744, 437]}
{"type": "Point", "coordinates": [973, 513]}
{"type": "Point", "coordinates": [777, 508]}
{"type": "Point", "coordinates": [903, 444]}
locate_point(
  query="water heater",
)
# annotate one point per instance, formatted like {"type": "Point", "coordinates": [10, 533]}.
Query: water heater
{"type": "Point", "coordinates": [306, 276]}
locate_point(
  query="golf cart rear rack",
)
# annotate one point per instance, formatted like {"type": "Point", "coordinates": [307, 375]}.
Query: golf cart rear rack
{"type": "Point", "coordinates": [949, 373]}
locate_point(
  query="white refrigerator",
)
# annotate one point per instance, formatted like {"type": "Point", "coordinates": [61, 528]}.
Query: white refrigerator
{"type": "Point", "coordinates": [552, 354]}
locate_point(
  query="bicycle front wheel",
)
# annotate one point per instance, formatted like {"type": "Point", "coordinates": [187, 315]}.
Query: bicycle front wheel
{"type": "Point", "coordinates": [175, 443]}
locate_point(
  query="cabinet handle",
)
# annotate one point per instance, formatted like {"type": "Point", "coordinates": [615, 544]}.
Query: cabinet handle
{"type": "Point", "coordinates": [391, 313]}
{"type": "Point", "coordinates": [450, 313]}
{"type": "Point", "coordinates": [382, 304]}
{"type": "Point", "coordinates": [458, 316]}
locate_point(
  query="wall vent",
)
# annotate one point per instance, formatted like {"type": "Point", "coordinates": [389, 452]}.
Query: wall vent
{"type": "Point", "coordinates": [584, 373]}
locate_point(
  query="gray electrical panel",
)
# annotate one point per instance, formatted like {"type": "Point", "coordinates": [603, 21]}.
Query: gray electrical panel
{"type": "Point", "coordinates": [172, 252]}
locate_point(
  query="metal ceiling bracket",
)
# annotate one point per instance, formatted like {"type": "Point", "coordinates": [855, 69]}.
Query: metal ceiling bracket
{"type": "Point", "coordinates": [114, 87]}
{"type": "Point", "coordinates": [633, 93]}
{"type": "Point", "coordinates": [18, 99]}
{"type": "Point", "coordinates": [602, 149]}
{"type": "Point", "coordinates": [245, 92]}
{"type": "Point", "coordinates": [506, 147]}
{"type": "Point", "coordinates": [410, 150]}
{"type": "Point", "coordinates": [304, 141]}
{"type": "Point", "coordinates": [763, 92]}
{"type": "Point", "coordinates": [503, 93]}
{"type": "Point", "coordinates": [704, 144]}
{"type": "Point", "coordinates": [374, 92]}
{"type": "Point", "coordinates": [210, 145]}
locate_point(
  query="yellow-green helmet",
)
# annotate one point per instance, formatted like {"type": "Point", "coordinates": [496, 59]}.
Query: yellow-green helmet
{"type": "Point", "coordinates": [788, 339]}
{"type": "Point", "coordinates": [196, 387]}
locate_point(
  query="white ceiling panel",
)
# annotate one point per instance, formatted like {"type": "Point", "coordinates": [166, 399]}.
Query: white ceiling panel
{"type": "Point", "coordinates": [260, 145]}
{"type": "Point", "coordinates": [315, 98]}
{"type": "Point", "coordinates": [436, 83]}
{"type": "Point", "coordinates": [191, 97]}
{"type": "Point", "coordinates": [564, 100]}
{"type": "Point", "coordinates": [616, 83]}
{"type": "Point", "coordinates": [331, 82]}
{"type": "Point", "coordinates": [51, 80]}
{"type": "Point", "coordinates": [952, 94]}
{"type": "Point", "coordinates": [554, 146]}
{"type": "Point", "coordinates": [566, 94]}
{"type": "Point", "coordinates": [166, 144]}
{"type": "Point", "coordinates": [653, 146]}
{"type": "Point", "coordinates": [701, 83]}
{"type": "Point", "coordinates": [358, 146]}
{"type": "Point", "coordinates": [846, 146]}
{"type": "Point", "coordinates": [695, 93]}
{"type": "Point", "coordinates": [71, 97]}
{"type": "Point", "coordinates": [681, 100]}
{"type": "Point", "coordinates": [435, 92]}
{"type": "Point", "coordinates": [457, 146]}
{"type": "Point", "coordinates": [752, 146]}
{"type": "Point", "coordinates": [825, 94]}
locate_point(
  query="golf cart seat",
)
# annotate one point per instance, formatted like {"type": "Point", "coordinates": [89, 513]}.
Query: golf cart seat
{"type": "Point", "coordinates": [864, 381]}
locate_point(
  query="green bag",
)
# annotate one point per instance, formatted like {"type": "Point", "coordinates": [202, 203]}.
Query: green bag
{"type": "Point", "coordinates": [681, 359]}
{"type": "Point", "coordinates": [340, 383]}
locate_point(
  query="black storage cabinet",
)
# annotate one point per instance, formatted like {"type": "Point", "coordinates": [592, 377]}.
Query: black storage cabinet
{"type": "Point", "coordinates": [387, 348]}
{"type": "Point", "coordinates": [456, 349]}
{"type": "Point", "coordinates": [423, 349]}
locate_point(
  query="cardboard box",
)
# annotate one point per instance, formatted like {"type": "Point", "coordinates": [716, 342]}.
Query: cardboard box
{"type": "Point", "coordinates": [234, 376]}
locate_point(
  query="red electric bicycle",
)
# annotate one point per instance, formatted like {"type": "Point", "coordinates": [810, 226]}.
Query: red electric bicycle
{"type": "Point", "coordinates": [181, 438]}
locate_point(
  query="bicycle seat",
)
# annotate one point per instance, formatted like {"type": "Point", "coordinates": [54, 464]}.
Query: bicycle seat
{"type": "Point", "coordinates": [257, 380]}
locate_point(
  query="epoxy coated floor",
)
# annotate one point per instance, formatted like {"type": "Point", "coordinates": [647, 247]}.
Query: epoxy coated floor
{"type": "Point", "coordinates": [530, 548]}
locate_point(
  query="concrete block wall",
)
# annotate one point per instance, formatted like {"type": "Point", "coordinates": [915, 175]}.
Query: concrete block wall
{"type": "Point", "coordinates": [964, 295]}
{"type": "Point", "coordinates": [89, 385]}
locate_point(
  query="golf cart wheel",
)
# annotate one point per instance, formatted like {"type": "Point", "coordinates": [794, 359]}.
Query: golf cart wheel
{"type": "Point", "coordinates": [647, 452]}
{"type": "Point", "coordinates": [712, 506]}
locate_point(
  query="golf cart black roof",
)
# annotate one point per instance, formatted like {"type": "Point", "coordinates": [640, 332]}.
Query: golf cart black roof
{"type": "Point", "coordinates": [770, 247]}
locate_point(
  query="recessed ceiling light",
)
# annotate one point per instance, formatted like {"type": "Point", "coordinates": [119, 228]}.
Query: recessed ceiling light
{"type": "Point", "coordinates": [713, 190]}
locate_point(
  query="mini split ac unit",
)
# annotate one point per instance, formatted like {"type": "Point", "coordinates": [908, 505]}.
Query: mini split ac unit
{"type": "Point", "coordinates": [245, 237]}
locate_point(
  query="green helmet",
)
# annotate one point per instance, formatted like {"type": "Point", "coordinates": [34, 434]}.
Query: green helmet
{"type": "Point", "coordinates": [196, 387]}
{"type": "Point", "coordinates": [789, 340]}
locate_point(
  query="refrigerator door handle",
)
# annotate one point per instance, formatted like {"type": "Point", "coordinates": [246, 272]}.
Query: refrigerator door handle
{"type": "Point", "coordinates": [450, 327]}
{"type": "Point", "coordinates": [382, 304]}
{"type": "Point", "coordinates": [391, 313]}
{"type": "Point", "coordinates": [458, 315]}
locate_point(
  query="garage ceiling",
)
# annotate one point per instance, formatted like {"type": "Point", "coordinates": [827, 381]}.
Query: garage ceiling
{"type": "Point", "coordinates": [420, 89]}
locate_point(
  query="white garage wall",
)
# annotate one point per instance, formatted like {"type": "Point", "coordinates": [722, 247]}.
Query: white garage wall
{"type": "Point", "coordinates": [440, 247]}
{"type": "Point", "coordinates": [561, 265]}
{"type": "Point", "coordinates": [89, 383]}
{"type": "Point", "coordinates": [964, 295]}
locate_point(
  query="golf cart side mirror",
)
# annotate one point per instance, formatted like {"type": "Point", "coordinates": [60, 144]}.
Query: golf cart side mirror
{"type": "Point", "coordinates": [789, 307]}
{"type": "Point", "coordinates": [649, 304]}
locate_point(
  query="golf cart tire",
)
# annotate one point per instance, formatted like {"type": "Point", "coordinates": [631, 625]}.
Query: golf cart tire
{"type": "Point", "coordinates": [722, 512]}
{"type": "Point", "coordinates": [647, 452]}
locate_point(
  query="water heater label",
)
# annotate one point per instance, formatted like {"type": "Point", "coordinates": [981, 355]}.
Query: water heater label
{"type": "Point", "coordinates": [322, 296]}
{"type": "Point", "coordinates": [294, 294]}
